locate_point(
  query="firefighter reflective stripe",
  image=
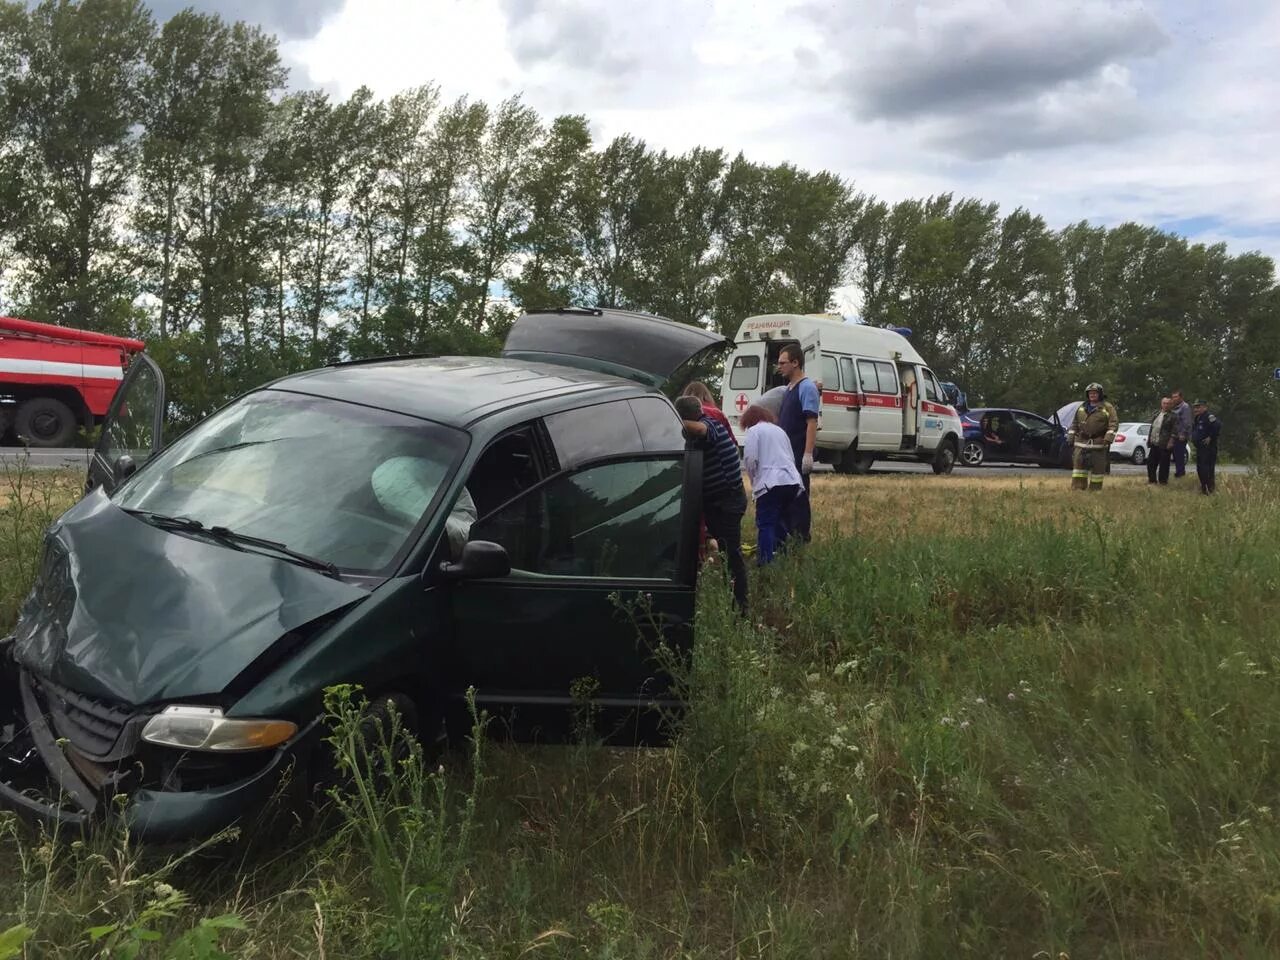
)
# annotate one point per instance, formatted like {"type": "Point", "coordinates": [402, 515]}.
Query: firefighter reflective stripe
{"type": "Point", "coordinates": [1079, 474]}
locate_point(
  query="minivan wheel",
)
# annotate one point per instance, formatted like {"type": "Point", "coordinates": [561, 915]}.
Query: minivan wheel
{"type": "Point", "coordinates": [972, 454]}
{"type": "Point", "coordinates": [1139, 456]}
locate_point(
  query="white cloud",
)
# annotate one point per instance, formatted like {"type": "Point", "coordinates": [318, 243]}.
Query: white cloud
{"type": "Point", "coordinates": [1092, 110]}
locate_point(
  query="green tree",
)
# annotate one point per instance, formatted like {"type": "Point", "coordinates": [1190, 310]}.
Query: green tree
{"type": "Point", "coordinates": [74, 94]}
{"type": "Point", "coordinates": [550, 243]}
{"type": "Point", "coordinates": [616, 208]}
{"type": "Point", "coordinates": [496, 210]}
{"type": "Point", "coordinates": [679, 262]}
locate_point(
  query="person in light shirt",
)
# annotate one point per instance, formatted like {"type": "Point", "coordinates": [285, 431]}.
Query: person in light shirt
{"type": "Point", "coordinates": [770, 465]}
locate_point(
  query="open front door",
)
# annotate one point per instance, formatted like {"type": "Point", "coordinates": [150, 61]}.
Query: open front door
{"type": "Point", "coordinates": [603, 570]}
{"type": "Point", "coordinates": [132, 431]}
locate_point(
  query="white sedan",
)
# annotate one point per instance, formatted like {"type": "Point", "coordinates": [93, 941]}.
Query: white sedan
{"type": "Point", "coordinates": [1131, 442]}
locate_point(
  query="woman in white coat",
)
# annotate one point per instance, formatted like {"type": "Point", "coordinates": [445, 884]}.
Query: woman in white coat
{"type": "Point", "coordinates": [770, 464]}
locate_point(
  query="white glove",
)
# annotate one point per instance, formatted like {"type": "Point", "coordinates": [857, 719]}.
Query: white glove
{"type": "Point", "coordinates": [806, 463]}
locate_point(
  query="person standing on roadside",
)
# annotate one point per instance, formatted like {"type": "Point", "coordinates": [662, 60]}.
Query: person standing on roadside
{"type": "Point", "coordinates": [1181, 433]}
{"type": "Point", "coordinates": [1160, 443]}
{"type": "Point", "coordinates": [775, 481]}
{"type": "Point", "coordinates": [1204, 435]}
{"type": "Point", "coordinates": [798, 418]}
{"type": "Point", "coordinates": [1092, 430]}
{"type": "Point", "coordinates": [723, 499]}
{"type": "Point", "coordinates": [710, 408]}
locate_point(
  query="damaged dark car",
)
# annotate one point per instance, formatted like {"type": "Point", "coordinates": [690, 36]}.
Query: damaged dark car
{"type": "Point", "coordinates": [416, 526]}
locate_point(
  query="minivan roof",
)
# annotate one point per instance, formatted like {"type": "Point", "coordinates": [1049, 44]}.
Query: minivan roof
{"type": "Point", "coordinates": [455, 391]}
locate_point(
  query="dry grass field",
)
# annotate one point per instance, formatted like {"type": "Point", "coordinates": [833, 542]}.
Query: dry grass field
{"type": "Point", "coordinates": [978, 716]}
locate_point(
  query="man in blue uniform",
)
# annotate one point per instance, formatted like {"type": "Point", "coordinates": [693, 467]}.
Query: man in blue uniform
{"type": "Point", "coordinates": [798, 417]}
{"type": "Point", "coordinates": [1204, 438]}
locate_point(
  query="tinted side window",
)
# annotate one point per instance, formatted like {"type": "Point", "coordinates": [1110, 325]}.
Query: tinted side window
{"type": "Point", "coordinates": [830, 373]}
{"type": "Point", "coordinates": [849, 379]}
{"type": "Point", "coordinates": [867, 377]}
{"type": "Point", "coordinates": [888, 378]}
{"type": "Point", "coordinates": [589, 433]}
{"type": "Point", "coordinates": [660, 429]}
{"type": "Point", "coordinates": [745, 373]}
{"type": "Point", "coordinates": [616, 520]}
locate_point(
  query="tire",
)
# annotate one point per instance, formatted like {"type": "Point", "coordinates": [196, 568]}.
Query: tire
{"type": "Point", "coordinates": [45, 422]}
{"type": "Point", "coordinates": [5, 420]}
{"type": "Point", "coordinates": [1139, 456]}
{"type": "Point", "coordinates": [944, 461]}
{"type": "Point", "coordinates": [972, 454]}
{"type": "Point", "coordinates": [857, 463]}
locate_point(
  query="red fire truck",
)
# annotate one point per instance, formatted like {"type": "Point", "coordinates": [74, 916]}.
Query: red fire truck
{"type": "Point", "coordinates": [53, 379]}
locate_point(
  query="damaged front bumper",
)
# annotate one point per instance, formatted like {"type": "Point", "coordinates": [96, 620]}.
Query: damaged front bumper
{"type": "Point", "coordinates": [70, 761]}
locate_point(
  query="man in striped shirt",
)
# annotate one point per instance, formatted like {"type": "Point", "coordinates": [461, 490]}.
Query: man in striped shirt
{"type": "Point", "coordinates": [723, 500]}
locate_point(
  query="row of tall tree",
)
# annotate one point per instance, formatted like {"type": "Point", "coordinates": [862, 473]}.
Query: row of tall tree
{"type": "Point", "coordinates": [161, 179]}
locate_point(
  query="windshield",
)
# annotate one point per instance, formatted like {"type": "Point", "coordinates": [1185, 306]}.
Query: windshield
{"type": "Point", "coordinates": [343, 483]}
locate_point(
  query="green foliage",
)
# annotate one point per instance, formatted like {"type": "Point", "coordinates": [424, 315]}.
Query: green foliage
{"type": "Point", "coordinates": [155, 181]}
{"type": "Point", "coordinates": [397, 817]}
{"type": "Point", "coordinates": [11, 941]}
{"type": "Point", "coordinates": [993, 726]}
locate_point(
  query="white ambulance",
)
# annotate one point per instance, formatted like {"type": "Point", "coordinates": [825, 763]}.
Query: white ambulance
{"type": "Point", "coordinates": [880, 401]}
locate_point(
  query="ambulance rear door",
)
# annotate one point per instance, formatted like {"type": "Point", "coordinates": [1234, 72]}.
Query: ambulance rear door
{"type": "Point", "coordinates": [746, 377]}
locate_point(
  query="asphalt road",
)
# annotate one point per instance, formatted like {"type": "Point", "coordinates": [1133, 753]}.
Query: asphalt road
{"type": "Point", "coordinates": [72, 458]}
{"type": "Point", "coordinates": [53, 458]}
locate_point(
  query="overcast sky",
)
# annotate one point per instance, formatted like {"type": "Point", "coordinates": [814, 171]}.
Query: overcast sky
{"type": "Point", "coordinates": [1166, 112]}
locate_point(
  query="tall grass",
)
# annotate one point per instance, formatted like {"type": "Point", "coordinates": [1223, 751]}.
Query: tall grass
{"type": "Point", "coordinates": [985, 717]}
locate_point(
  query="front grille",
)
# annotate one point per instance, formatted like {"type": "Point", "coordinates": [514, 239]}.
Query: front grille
{"type": "Point", "coordinates": [99, 729]}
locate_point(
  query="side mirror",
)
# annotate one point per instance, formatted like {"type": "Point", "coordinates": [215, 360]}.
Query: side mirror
{"type": "Point", "coordinates": [123, 467]}
{"type": "Point", "coordinates": [481, 560]}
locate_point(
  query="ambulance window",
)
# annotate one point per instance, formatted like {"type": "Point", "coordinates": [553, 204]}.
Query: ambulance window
{"type": "Point", "coordinates": [745, 373]}
{"type": "Point", "coordinates": [931, 389]}
{"type": "Point", "coordinates": [888, 379]}
{"type": "Point", "coordinates": [830, 373]}
{"type": "Point", "coordinates": [849, 378]}
{"type": "Point", "coordinates": [867, 377]}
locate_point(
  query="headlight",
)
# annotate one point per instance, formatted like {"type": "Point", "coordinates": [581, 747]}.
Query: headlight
{"type": "Point", "coordinates": [205, 728]}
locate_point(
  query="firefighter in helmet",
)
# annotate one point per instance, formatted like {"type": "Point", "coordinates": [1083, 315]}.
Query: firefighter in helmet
{"type": "Point", "coordinates": [1092, 431]}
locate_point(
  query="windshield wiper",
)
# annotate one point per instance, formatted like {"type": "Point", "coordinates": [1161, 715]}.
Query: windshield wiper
{"type": "Point", "coordinates": [234, 539]}
{"type": "Point", "coordinates": [244, 539]}
{"type": "Point", "coordinates": [164, 521]}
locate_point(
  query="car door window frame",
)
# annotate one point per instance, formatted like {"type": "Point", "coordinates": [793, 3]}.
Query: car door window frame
{"type": "Point", "coordinates": [685, 549]}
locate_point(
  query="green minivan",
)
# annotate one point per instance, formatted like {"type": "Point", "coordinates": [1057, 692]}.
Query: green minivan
{"type": "Point", "coordinates": [418, 526]}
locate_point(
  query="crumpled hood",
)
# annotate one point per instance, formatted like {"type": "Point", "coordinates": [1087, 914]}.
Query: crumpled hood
{"type": "Point", "coordinates": [127, 611]}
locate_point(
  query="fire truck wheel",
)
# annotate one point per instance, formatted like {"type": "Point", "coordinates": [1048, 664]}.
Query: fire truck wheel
{"type": "Point", "coordinates": [45, 422]}
{"type": "Point", "coordinates": [4, 423]}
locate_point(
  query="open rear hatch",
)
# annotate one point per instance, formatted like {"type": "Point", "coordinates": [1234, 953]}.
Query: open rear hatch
{"type": "Point", "coordinates": [638, 346]}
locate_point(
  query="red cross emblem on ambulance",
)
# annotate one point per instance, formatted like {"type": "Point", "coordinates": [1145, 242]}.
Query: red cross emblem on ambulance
{"type": "Point", "coordinates": [742, 402]}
